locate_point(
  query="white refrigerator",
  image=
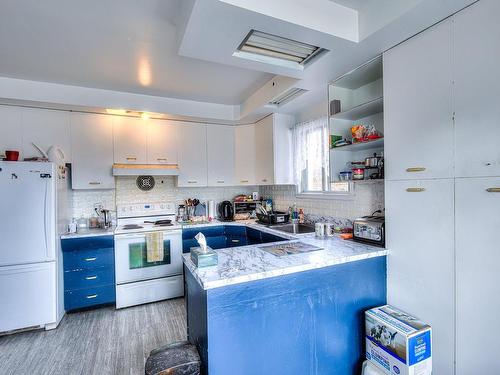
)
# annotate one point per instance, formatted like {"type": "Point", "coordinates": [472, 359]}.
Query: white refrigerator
{"type": "Point", "coordinates": [33, 198]}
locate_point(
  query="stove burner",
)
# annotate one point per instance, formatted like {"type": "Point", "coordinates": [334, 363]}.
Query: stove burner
{"type": "Point", "coordinates": [131, 226]}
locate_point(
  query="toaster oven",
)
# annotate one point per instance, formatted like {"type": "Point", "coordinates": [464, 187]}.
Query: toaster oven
{"type": "Point", "coordinates": [245, 209]}
{"type": "Point", "coordinates": [370, 229]}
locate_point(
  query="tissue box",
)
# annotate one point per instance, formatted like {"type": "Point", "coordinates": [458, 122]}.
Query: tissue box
{"type": "Point", "coordinates": [397, 342]}
{"type": "Point", "coordinates": [202, 259]}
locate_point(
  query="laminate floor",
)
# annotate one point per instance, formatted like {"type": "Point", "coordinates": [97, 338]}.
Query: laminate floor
{"type": "Point", "coordinates": [103, 341]}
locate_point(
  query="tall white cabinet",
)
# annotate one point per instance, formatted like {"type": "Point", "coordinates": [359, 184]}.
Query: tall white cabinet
{"type": "Point", "coordinates": [419, 123]}
{"type": "Point", "coordinates": [162, 141]}
{"type": "Point", "coordinates": [442, 217]}
{"type": "Point", "coordinates": [92, 149]}
{"type": "Point", "coordinates": [192, 155]}
{"type": "Point", "coordinates": [130, 140]}
{"type": "Point", "coordinates": [220, 155]}
{"type": "Point", "coordinates": [477, 155]}
{"type": "Point", "coordinates": [244, 154]}
{"type": "Point", "coordinates": [273, 162]}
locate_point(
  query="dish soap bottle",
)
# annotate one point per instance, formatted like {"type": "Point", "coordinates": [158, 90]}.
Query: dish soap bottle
{"type": "Point", "coordinates": [301, 216]}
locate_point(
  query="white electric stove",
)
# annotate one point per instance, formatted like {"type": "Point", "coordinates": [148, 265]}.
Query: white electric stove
{"type": "Point", "coordinates": [139, 278]}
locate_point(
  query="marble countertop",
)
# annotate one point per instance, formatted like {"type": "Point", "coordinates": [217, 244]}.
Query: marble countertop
{"type": "Point", "coordinates": [248, 263]}
{"type": "Point", "coordinates": [89, 233]}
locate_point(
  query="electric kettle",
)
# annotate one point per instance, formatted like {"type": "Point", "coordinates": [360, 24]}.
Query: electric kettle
{"type": "Point", "coordinates": [226, 211]}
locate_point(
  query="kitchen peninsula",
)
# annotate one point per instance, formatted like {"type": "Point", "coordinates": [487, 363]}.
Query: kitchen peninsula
{"type": "Point", "coordinates": [258, 313]}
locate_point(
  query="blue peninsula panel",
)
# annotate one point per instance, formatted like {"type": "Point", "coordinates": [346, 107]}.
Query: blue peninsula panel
{"type": "Point", "coordinates": [308, 322]}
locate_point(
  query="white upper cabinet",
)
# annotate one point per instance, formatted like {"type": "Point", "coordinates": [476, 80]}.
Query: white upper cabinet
{"type": "Point", "coordinates": [220, 155]}
{"type": "Point", "coordinates": [244, 154]}
{"type": "Point", "coordinates": [45, 128]}
{"type": "Point", "coordinates": [192, 154]}
{"type": "Point", "coordinates": [477, 91]}
{"type": "Point", "coordinates": [418, 115]}
{"type": "Point", "coordinates": [420, 267]}
{"type": "Point", "coordinates": [162, 142]}
{"type": "Point", "coordinates": [477, 274]}
{"type": "Point", "coordinates": [273, 152]}
{"type": "Point", "coordinates": [130, 140]}
{"type": "Point", "coordinates": [264, 154]}
{"type": "Point", "coordinates": [92, 146]}
{"type": "Point", "coordinates": [11, 137]}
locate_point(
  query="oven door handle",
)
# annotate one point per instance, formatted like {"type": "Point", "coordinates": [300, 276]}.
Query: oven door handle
{"type": "Point", "coordinates": [143, 234]}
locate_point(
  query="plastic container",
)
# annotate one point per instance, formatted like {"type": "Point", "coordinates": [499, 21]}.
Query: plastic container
{"type": "Point", "coordinates": [345, 176]}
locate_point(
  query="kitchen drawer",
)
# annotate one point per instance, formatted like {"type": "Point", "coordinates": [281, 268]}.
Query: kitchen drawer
{"type": "Point", "coordinates": [88, 278]}
{"type": "Point", "coordinates": [81, 298]}
{"type": "Point", "coordinates": [88, 259]}
{"type": "Point", "coordinates": [87, 243]}
{"type": "Point", "coordinates": [233, 241]}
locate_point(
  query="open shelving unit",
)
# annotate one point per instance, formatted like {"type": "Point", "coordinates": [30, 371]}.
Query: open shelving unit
{"type": "Point", "coordinates": [361, 146]}
{"type": "Point", "coordinates": [360, 93]}
{"type": "Point", "coordinates": [361, 110]}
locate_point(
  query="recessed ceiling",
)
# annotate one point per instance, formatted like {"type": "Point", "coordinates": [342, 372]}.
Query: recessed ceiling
{"type": "Point", "coordinates": [353, 4]}
{"type": "Point", "coordinates": [125, 45]}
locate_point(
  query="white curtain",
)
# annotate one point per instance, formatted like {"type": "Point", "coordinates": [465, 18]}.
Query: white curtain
{"type": "Point", "coordinates": [311, 154]}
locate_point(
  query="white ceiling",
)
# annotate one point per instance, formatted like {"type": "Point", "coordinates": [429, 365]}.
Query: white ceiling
{"type": "Point", "coordinates": [183, 48]}
{"type": "Point", "coordinates": [353, 4]}
{"type": "Point", "coordinates": [113, 45]}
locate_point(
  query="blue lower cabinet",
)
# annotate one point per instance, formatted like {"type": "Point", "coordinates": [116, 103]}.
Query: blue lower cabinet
{"type": "Point", "coordinates": [223, 236]}
{"type": "Point", "coordinates": [80, 279]}
{"type": "Point", "coordinates": [253, 236]}
{"type": "Point", "coordinates": [89, 259]}
{"type": "Point", "coordinates": [88, 297]}
{"type": "Point", "coordinates": [89, 272]}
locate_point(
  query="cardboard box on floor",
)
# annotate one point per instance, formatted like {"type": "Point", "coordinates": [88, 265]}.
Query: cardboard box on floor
{"type": "Point", "coordinates": [397, 342]}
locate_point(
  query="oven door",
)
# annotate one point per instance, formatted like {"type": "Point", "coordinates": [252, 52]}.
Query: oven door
{"type": "Point", "coordinates": [131, 261]}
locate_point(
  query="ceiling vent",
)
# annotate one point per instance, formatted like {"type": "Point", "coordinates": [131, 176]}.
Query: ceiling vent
{"type": "Point", "coordinates": [287, 96]}
{"type": "Point", "coordinates": [273, 49]}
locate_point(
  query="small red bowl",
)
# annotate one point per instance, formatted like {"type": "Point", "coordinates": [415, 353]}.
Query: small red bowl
{"type": "Point", "coordinates": [12, 155]}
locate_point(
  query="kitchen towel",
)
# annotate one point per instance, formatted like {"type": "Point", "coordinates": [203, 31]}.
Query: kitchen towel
{"type": "Point", "coordinates": [154, 247]}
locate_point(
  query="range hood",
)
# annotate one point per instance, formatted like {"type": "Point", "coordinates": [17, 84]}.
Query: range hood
{"type": "Point", "coordinates": [145, 169]}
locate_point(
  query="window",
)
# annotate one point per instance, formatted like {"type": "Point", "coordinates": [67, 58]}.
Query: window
{"type": "Point", "coordinates": [311, 155]}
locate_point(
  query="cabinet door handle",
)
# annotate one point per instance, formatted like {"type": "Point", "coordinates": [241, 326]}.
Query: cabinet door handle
{"type": "Point", "coordinates": [220, 181]}
{"type": "Point", "coordinates": [90, 259]}
{"type": "Point", "coordinates": [94, 183]}
{"type": "Point", "coordinates": [243, 181]}
{"type": "Point", "coordinates": [415, 190]}
{"type": "Point", "coordinates": [264, 180]}
{"type": "Point", "coordinates": [161, 159]}
{"type": "Point", "coordinates": [131, 158]}
{"type": "Point", "coordinates": [493, 190]}
{"type": "Point", "coordinates": [91, 278]}
{"type": "Point", "coordinates": [415, 169]}
{"type": "Point", "coordinates": [235, 241]}
{"type": "Point", "coordinates": [192, 182]}
{"type": "Point", "coordinates": [91, 296]}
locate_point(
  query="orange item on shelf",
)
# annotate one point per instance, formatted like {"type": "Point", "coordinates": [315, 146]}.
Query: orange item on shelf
{"type": "Point", "coordinates": [346, 236]}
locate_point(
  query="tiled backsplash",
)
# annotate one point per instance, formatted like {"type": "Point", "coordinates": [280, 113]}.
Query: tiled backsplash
{"type": "Point", "coordinates": [367, 198]}
{"type": "Point", "coordinates": [165, 190]}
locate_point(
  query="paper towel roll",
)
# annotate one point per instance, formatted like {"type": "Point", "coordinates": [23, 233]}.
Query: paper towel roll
{"type": "Point", "coordinates": [211, 210]}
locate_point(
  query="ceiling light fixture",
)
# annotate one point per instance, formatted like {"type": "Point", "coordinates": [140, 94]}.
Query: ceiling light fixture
{"type": "Point", "coordinates": [273, 49]}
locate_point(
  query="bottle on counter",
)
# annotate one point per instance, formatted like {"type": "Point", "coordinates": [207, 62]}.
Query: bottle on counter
{"type": "Point", "coordinates": [301, 216]}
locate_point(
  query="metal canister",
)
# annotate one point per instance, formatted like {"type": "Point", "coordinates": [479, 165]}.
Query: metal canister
{"type": "Point", "coordinates": [319, 229]}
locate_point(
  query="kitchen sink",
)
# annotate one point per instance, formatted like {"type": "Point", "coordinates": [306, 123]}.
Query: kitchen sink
{"type": "Point", "coordinates": [294, 228]}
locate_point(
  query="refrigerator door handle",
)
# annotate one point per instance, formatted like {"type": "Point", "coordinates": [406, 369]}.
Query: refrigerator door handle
{"type": "Point", "coordinates": [46, 219]}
